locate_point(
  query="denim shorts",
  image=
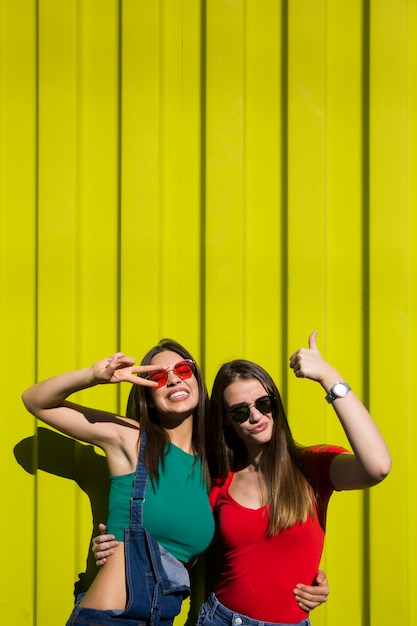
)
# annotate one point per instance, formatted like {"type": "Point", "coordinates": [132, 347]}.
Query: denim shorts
{"type": "Point", "coordinates": [213, 613]}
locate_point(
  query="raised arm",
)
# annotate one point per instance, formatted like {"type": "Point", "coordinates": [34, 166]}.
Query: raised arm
{"type": "Point", "coordinates": [47, 399]}
{"type": "Point", "coordinates": [371, 461]}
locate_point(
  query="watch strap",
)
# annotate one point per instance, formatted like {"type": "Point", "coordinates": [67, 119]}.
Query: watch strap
{"type": "Point", "coordinates": [331, 395]}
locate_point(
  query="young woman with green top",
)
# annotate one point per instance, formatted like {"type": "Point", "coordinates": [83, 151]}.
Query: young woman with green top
{"type": "Point", "coordinates": [169, 402]}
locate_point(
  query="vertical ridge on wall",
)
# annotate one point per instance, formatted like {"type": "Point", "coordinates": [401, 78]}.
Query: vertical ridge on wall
{"type": "Point", "coordinates": [262, 172]}
{"type": "Point", "coordinates": [78, 252]}
{"type": "Point", "coordinates": [203, 184]}
{"type": "Point", "coordinates": [224, 180]}
{"type": "Point", "coordinates": [140, 191]}
{"type": "Point", "coordinates": [408, 486]}
{"type": "Point", "coordinates": [306, 191]}
{"type": "Point", "coordinates": [57, 225]}
{"type": "Point", "coordinates": [284, 156]}
{"type": "Point", "coordinates": [120, 23]}
{"type": "Point", "coordinates": [365, 175]}
{"type": "Point", "coordinates": [365, 281]}
{"type": "Point", "coordinates": [345, 264]}
{"type": "Point", "coordinates": [175, 223]}
{"type": "Point", "coordinates": [99, 162]}
{"type": "Point", "coordinates": [192, 174]}
{"type": "Point", "coordinates": [17, 304]}
{"type": "Point", "coordinates": [161, 231]}
{"type": "Point", "coordinates": [97, 296]}
{"type": "Point", "coordinates": [388, 259]}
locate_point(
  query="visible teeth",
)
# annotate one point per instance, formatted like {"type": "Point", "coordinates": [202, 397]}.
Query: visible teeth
{"type": "Point", "coordinates": [178, 394]}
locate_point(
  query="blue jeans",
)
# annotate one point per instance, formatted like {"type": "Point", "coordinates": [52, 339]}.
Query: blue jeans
{"type": "Point", "coordinates": [213, 613]}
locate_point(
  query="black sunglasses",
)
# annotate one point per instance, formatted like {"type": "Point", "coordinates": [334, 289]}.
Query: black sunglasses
{"type": "Point", "coordinates": [240, 412]}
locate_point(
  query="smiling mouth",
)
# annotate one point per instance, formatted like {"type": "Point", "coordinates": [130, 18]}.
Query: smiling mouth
{"type": "Point", "coordinates": [177, 394]}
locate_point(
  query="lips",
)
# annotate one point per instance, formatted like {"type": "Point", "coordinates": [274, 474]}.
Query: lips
{"type": "Point", "coordinates": [177, 395]}
{"type": "Point", "coordinates": [259, 428]}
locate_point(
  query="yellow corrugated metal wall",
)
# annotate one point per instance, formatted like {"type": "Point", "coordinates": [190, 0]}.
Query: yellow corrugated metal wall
{"type": "Point", "coordinates": [233, 174]}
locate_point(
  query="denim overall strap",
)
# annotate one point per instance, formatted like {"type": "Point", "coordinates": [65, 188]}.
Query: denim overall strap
{"type": "Point", "coordinates": [139, 488]}
{"type": "Point", "coordinates": [165, 582]}
{"type": "Point", "coordinates": [156, 582]}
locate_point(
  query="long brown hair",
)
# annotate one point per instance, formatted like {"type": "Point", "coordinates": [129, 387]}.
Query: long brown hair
{"type": "Point", "coordinates": [140, 408]}
{"type": "Point", "coordinates": [289, 493]}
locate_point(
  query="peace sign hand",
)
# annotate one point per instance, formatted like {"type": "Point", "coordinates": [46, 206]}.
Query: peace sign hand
{"type": "Point", "coordinates": [120, 368]}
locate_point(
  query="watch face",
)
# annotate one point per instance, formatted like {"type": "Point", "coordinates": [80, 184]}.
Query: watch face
{"type": "Point", "coordinates": [340, 389]}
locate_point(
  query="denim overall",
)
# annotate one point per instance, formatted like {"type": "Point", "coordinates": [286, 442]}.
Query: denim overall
{"type": "Point", "coordinates": [156, 582]}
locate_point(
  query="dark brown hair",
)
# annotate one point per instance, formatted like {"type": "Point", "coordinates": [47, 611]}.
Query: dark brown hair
{"type": "Point", "coordinates": [140, 407]}
{"type": "Point", "coordinates": [289, 493]}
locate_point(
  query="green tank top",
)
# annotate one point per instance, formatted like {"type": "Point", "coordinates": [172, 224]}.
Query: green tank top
{"type": "Point", "coordinates": [176, 511]}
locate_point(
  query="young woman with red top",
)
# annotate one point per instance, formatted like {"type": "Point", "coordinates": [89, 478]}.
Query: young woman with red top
{"type": "Point", "coordinates": [271, 497]}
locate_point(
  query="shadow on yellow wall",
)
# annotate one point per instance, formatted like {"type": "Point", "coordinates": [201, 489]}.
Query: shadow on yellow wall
{"type": "Point", "coordinates": [56, 454]}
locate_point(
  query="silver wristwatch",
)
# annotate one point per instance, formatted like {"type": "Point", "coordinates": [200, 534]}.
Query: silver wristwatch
{"type": "Point", "coordinates": [339, 390]}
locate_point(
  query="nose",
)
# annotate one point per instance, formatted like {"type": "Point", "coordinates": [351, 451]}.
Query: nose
{"type": "Point", "coordinates": [254, 414]}
{"type": "Point", "coordinates": [173, 379]}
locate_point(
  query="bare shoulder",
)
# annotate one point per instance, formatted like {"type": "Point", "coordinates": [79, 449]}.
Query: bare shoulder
{"type": "Point", "coordinates": [122, 450]}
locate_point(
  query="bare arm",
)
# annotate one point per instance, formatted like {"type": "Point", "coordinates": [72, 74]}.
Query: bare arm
{"type": "Point", "coordinates": [371, 461]}
{"type": "Point", "coordinates": [47, 399]}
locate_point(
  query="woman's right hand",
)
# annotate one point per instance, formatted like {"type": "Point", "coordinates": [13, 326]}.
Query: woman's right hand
{"type": "Point", "coordinates": [102, 545]}
{"type": "Point", "coordinates": [47, 400]}
{"type": "Point", "coordinates": [47, 396]}
{"type": "Point", "coordinates": [120, 368]}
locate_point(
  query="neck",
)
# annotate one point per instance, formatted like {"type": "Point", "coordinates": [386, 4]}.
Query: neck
{"type": "Point", "coordinates": [254, 458]}
{"type": "Point", "coordinates": [182, 435]}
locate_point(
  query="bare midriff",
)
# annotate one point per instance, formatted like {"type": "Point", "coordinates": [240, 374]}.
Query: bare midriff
{"type": "Point", "coordinates": [108, 589]}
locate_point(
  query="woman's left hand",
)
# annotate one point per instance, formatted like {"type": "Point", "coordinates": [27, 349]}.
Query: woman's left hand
{"type": "Point", "coordinates": [308, 363]}
{"type": "Point", "coordinates": [309, 597]}
{"type": "Point", "coordinates": [371, 461]}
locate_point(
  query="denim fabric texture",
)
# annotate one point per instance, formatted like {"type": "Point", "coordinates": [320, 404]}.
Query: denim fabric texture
{"type": "Point", "coordinates": [157, 583]}
{"type": "Point", "coordinates": [213, 613]}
